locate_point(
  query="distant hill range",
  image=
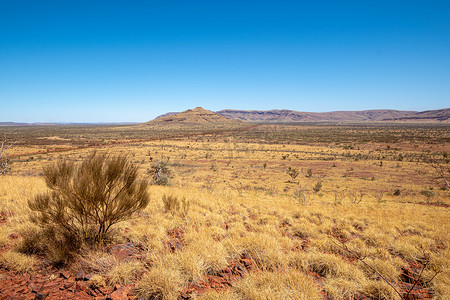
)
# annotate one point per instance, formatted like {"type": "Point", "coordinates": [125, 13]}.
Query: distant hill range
{"type": "Point", "coordinates": [63, 124]}
{"type": "Point", "coordinates": [381, 115]}
{"type": "Point", "coordinates": [194, 117]}
{"type": "Point", "coordinates": [439, 115]}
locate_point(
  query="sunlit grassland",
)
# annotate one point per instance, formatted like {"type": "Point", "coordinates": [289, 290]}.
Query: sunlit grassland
{"type": "Point", "coordinates": [242, 201]}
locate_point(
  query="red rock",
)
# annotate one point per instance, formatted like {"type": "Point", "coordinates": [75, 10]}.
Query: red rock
{"type": "Point", "coordinates": [40, 296]}
{"type": "Point", "coordinates": [35, 287]}
{"type": "Point", "coordinates": [104, 290]}
{"type": "Point", "coordinates": [14, 236]}
{"type": "Point", "coordinates": [119, 294]}
{"type": "Point", "coordinates": [68, 284]}
{"type": "Point", "coordinates": [65, 274]}
{"type": "Point", "coordinates": [80, 276]}
{"type": "Point", "coordinates": [122, 255]}
{"type": "Point", "coordinates": [87, 277]}
{"type": "Point", "coordinates": [183, 296]}
{"type": "Point", "coordinates": [81, 286]}
{"type": "Point", "coordinates": [21, 289]}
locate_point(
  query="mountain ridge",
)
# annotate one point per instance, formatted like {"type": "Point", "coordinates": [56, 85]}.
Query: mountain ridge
{"type": "Point", "coordinates": [376, 115]}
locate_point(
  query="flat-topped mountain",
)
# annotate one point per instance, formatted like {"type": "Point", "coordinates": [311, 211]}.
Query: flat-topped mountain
{"type": "Point", "coordinates": [193, 117]}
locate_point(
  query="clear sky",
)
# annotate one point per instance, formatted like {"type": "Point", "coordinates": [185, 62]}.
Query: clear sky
{"type": "Point", "coordinates": [115, 61]}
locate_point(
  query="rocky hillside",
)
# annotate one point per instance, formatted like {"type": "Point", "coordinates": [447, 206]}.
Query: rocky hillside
{"type": "Point", "coordinates": [193, 117]}
{"type": "Point", "coordinates": [439, 115]}
{"type": "Point", "coordinates": [289, 116]}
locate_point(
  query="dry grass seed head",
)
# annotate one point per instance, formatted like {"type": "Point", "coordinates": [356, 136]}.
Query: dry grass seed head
{"type": "Point", "coordinates": [405, 249]}
{"type": "Point", "coordinates": [387, 269]}
{"type": "Point", "coordinates": [377, 289]}
{"type": "Point", "coordinates": [124, 272]}
{"type": "Point", "coordinates": [4, 236]}
{"type": "Point", "coordinates": [94, 261]}
{"type": "Point", "coordinates": [96, 281]}
{"type": "Point", "coordinates": [17, 262]}
{"type": "Point", "coordinates": [341, 288]}
{"type": "Point", "coordinates": [160, 282]}
{"type": "Point", "coordinates": [191, 266]}
{"type": "Point", "coordinates": [214, 295]}
{"type": "Point", "coordinates": [291, 284]}
{"type": "Point", "coordinates": [264, 249]}
{"type": "Point", "coordinates": [329, 265]}
{"type": "Point", "coordinates": [210, 251]}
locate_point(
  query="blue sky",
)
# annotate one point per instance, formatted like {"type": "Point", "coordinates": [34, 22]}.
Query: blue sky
{"type": "Point", "coordinates": [115, 61]}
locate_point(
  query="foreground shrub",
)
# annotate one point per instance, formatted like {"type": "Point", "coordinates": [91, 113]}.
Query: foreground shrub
{"type": "Point", "coordinates": [87, 199]}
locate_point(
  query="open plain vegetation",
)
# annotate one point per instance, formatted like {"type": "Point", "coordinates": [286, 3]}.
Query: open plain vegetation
{"type": "Point", "coordinates": [312, 211]}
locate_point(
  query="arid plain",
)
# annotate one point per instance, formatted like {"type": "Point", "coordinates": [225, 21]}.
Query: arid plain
{"type": "Point", "coordinates": [266, 211]}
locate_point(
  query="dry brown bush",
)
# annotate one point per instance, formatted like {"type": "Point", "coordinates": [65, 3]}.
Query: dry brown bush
{"type": "Point", "coordinates": [87, 199]}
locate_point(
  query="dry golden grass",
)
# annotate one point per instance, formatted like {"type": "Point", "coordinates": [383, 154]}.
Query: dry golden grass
{"type": "Point", "coordinates": [277, 285]}
{"type": "Point", "coordinates": [239, 205]}
{"type": "Point", "coordinates": [97, 281]}
{"type": "Point", "coordinates": [16, 261]}
{"type": "Point", "coordinates": [124, 272]}
{"type": "Point", "coordinates": [160, 282]}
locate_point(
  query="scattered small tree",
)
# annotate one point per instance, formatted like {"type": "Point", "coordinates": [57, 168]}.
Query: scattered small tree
{"type": "Point", "coordinates": [309, 173]}
{"type": "Point", "coordinates": [338, 198]}
{"type": "Point", "coordinates": [302, 195]}
{"type": "Point", "coordinates": [441, 168]}
{"type": "Point", "coordinates": [379, 196]}
{"type": "Point", "coordinates": [160, 173]}
{"type": "Point", "coordinates": [356, 196]}
{"type": "Point", "coordinates": [429, 195]}
{"type": "Point", "coordinates": [87, 199]}
{"type": "Point", "coordinates": [293, 173]}
{"type": "Point", "coordinates": [318, 186]}
{"type": "Point", "coordinates": [4, 147]}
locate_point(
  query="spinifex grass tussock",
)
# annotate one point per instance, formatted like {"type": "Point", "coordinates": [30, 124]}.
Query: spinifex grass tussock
{"type": "Point", "coordinates": [97, 281]}
{"type": "Point", "coordinates": [16, 261]}
{"type": "Point", "coordinates": [213, 295]}
{"type": "Point", "coordinates": [214, 256]}
{"type": "Point", "coordinates": [277, 285]}
{"type": "Point", "coordinates": [124, 272]}
{"type": "Point", "coordinates": [342, 288]}
{"type": "Point", "coordinates": [160, 282]}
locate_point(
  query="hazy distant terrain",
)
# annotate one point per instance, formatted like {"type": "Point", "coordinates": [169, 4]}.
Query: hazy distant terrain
{"type": "Point", "coordinates": [290, 116]}
{"type": "Point", "coordinates": [442, 115]}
